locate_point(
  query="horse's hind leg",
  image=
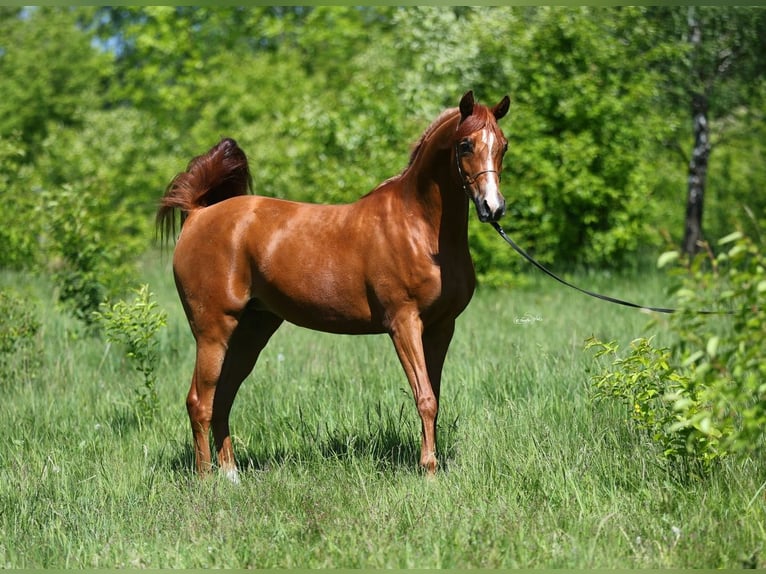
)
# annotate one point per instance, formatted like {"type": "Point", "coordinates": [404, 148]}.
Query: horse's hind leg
{"type": "Point", "coordinates": [199, 402]}
{"type": "Point", "coordinates": [254, 330]}
{"type": "Point", "coordinates": [225, 356]}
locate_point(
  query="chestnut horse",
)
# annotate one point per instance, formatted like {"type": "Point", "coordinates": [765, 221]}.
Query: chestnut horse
{"type": "Point", "coordinates": [395, 261]}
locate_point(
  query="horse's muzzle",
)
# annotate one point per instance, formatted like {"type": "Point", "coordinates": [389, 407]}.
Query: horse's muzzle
{"type": "Point", "coordinates": [490, 211]}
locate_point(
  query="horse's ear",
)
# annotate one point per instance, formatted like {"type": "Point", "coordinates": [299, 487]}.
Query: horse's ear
{"type": "Point", "coordinates": [502, 108]}
{"type": "Point", "coordinates": [466, 105]}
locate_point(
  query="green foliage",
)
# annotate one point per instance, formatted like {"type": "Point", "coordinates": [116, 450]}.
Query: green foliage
{"type": "Point", "coordinates": [19, 340]}
{"type": "Point", "coordinates": [52, 76]}
{"type": "Point", "coordinates": [20, 228]}
{"type": "Point", "coordinates": [74, 177]}
{"type": "Point", "coordinates": [643, 382]}
{"type": "Point", "coordinates": [93, 250]}
{"type": "Point", "coordinates": [705, 397]}
{"type": "Point", "coordinates": [583, 138]}
{"type": "Point", "coordinates": [735, 198]}
{"type": "Point", "coordinates": [119, 161]}
{"type": "Point", "coordinates": [134, 325]}
{"type": "Point", "coordinates": [724, 358]}
{"type": "Point", "coordinates": [721, 58]}
{"type": "Point", "coordinates": [721, 62]}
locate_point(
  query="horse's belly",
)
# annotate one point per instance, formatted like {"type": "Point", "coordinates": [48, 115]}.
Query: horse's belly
{"type": "Point", "coordinates": [334, 323]}
{"type": "Point", "coordinates": [322, 317]}
{"type": "Point", "coordinates": [329, 304]}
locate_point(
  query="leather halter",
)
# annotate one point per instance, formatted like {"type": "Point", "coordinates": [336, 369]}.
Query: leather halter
{"type": "Point", "coordinates": [469, 180]}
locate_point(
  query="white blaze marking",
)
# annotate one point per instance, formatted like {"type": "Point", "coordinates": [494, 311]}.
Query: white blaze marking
{"type": "Point", "coordinates": [490, 188]}
{"type": "Point", "coordinates": [488, 137]}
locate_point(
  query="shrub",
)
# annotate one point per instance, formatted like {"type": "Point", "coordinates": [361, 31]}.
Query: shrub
{"type": "Point", "coordinates": [642, 380]}
{"type": "Point", "coordinates": [134, 325]}
{"type": "Point", "coordinates": [724, 357]}
{"type": "Point", "coordinates": [91, 246]}
{"type": "Point", "coordinates": [705, 396]}
{"type": "Point", "coordinates": [19, 345]}
{"type": "Point", "coordinates": [20, 227]}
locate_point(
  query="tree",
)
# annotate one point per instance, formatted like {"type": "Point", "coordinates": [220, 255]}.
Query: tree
{"type": "Point", "coordinates": [326, 101]}
{"type": "Point", "coordinates": [714, 73]}
{"type": "Point", "coordinates": [52, 79]}
{"type": "Point", "coordinates": [584, 130]}
{"type": "Point", "coordinates": [51, 74]}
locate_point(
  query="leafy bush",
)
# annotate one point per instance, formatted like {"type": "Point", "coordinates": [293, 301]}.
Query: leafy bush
{"type": "Point", "coordinates": [91, 247]}
{"type": "Point", "coordinates": [582, 157]}
{"type": "Point", "coordinates": [19, 345]}
{"type": "Point", "coordinates": [18, 234]}
{"type": "Point", "coordinates": [134, 325]}
{"type": "Point", "coordinates": [705, 396]}
{"type": "Point", "coordinates": [725, 357]}
{"type": "Point", "coordinates": [642, 380]}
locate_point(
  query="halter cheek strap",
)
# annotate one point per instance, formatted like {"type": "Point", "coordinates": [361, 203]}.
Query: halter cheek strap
{"type": "Point", "coordinates": [469, 180]}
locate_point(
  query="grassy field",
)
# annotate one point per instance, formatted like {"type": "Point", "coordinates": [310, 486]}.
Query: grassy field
{"type": "Point", "coordinates": [533, 473]}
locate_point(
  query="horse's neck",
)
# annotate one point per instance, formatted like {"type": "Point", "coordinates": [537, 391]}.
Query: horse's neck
{"type": "Point", "coordinates": [433, 175]}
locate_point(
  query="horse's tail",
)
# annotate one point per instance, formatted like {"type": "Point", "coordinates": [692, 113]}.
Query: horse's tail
{"type": "Point", "coordinates": [212, 177]}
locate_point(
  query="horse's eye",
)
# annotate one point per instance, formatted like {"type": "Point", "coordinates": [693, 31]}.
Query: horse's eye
{"type": "Point", "coordinates": [505, 147]}
{"type": "Point", "coordinates": [465, 147]}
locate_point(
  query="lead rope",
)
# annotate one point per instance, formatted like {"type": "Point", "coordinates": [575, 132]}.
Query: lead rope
{"type": "Point", "coordinates": [542, 268]}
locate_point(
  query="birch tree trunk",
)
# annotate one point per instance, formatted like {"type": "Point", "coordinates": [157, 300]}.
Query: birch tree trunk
{"type": "Point", "coordinates": [695, 198]}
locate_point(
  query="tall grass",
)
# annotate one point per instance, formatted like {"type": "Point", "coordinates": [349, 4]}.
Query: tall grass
{"type": "Point", "coordinates": [533, 473]}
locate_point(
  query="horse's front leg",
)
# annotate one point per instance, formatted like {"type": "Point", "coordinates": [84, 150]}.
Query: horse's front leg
{"type": "Point", "coordinates": [436, 341]}
{"type": "Point", "coordinates": [406, 333]}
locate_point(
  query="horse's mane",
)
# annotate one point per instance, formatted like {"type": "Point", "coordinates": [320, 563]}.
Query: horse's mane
{"type": "Point", "coordinates": [478, 120]}
{"type": "Point", "coordinates": [437, 123]}
{"type": "Point", "coordinates": [418, 146]}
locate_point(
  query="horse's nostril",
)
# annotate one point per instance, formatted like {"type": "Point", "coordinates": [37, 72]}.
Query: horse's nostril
{"type": "Point", "coordinates": [493, 214]}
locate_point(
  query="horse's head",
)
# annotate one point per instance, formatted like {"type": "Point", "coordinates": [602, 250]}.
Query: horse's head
{"type": "Point", "coordinates": [479, 149]}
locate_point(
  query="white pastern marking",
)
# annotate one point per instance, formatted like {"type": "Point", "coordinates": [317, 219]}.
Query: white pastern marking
{"type": "Point", "coordinates": [232, 475]}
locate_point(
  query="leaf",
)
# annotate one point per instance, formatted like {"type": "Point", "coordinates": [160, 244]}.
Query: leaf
{"type": "Point", "coordinates": [736, 250]}
{"type": "Point", "coordinates": [667, 257]}
{"type": "Point", "coordinates": [731, 237]}
{"type": "Point", "coordinates": [686, 294]}
{"type": "Point", "coordinates": [712, 346]}
{"type": "Point", "coordinates": [693, 358]}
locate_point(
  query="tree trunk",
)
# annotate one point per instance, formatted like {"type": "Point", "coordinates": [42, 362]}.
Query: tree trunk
{"type": "Point", "coordinates": [699, 159]}
{"type": "Point", "coordinates": [697, 175]}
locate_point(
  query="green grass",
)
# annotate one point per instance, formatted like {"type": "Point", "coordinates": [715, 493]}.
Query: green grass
{"type": "Point", "coordinates": [533, 473]}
